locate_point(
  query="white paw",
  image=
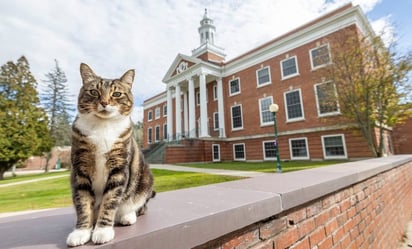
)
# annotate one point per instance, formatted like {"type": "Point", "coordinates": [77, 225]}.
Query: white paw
{"type": "Point", "coordinates": [78, 237]}
{"type": "Point", "coordinates": [128, 219]}
{"type": "Point", "coordinates": [102, 235]}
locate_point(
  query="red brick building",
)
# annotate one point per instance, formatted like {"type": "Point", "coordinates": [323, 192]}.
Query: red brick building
{"type": "Point", "coordinates": [222, 112]}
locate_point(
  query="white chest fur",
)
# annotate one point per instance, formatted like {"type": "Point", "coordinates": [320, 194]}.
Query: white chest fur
{"type": "Point", "coordinates": [103, 133]}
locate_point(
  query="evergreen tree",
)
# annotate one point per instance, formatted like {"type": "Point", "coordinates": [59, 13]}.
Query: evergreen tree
{"type": "Point", "coordinates": [57, 104]}
{"type": "Point", "coordinates": [23, 123]}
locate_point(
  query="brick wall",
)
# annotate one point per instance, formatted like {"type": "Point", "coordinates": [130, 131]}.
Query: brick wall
{"type": "Point", "coordinates": [370, 214]}
{"type": "Point", "coordinates": [402, 138]}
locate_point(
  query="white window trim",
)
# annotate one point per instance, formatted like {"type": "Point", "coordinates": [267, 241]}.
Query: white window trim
{"type": "Point", "coordinates": [155, 138]}
{"type": "Point", "coordinates": [257, 77]}
{"type": "Point", "coordinates": [244, 152]}
{"type": "Point", "coordinates": [307, 148]}
{"type": "Point", "coordinates": [164, 131]}
{"type": "Point", "coordinates": [317, 100]}
{"type": "Point", "coordinates": [197, 94]}
{"type": "Point", "coordinates": [157, 113]}
{"type": "Point", "coordinates": [260, 112]}
{"type": "Point", "coordinates": [214, 121]}
{"type": "Point", "coordinates": [231, 117]}
{"type": "Point", "coordinates": [213, 153]}
{"type": "Point", "coordinates": [215, 97]}
{"type": "Point", "coordinates": [344, 147]}
{"type": "Point", "coordinates": [165, 108]}
{"type": "Point", "coordinates": [240, 89]}
{"type": "Point", "coordinates": [264, 152]}
{"type": "Point", "coordinates": [288, 120]}
{"type": "Point", "coordinates": [322, 65]}
{"type": "Point", "coordinates": [292, 75]}
{"type": "Point", "coordinates": [149, 137]}
{"type": "Point", "coordinates": [150, 113]}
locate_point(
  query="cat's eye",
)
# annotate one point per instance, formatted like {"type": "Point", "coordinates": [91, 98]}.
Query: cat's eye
{"type": "Point", "coordinates": [94, 93]}
{"type": "Point", "coordinates": [117, 94]}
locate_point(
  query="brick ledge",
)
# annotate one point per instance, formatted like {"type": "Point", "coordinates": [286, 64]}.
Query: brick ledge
{"type": "Point", "coordinates": [191, 217]}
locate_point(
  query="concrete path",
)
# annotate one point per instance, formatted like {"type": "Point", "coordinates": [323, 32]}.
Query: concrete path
{"type": "Point", "coordinates": [34, 180]}
{"type": "Point", "coordinates": [208, 171]}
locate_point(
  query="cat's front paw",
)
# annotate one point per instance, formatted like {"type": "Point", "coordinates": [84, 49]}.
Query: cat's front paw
{"type": "Point", "coordinates": [128, 219]}
{"type": "Point", "coordinates": [79, 237]}
{"type": "Point", "coordinates": [102, 235]}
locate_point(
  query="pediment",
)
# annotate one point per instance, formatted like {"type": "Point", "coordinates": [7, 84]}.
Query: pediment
{"type": "Point", "coordinates": [180, 65]}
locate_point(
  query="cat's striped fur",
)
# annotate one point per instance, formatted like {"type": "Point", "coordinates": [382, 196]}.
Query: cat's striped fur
{"type": "Point", "coordinates": [111, 183]}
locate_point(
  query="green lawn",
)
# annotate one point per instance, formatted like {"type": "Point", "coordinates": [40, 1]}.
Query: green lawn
{"type": "Point", "coordinates": [56, 192]}
{"type": "Point", "coordinates": [267, 167]}
{"type": "Point", "coordinates": [21, 177]}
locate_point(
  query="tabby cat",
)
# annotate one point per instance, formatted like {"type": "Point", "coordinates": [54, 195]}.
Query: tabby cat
{"type": "Point", "coordinates": [111, 183]}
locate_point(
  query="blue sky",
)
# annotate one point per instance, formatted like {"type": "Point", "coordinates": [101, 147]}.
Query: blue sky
{"type": "Point", "coordinates": [114, 36]}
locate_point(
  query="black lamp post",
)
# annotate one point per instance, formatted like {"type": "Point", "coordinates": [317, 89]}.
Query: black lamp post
{"type": "Point", "coordinates": [273, 108]}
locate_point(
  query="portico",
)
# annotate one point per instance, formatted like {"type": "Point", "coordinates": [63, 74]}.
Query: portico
{"type": "Point", "coordinates": [191, 117]}
{"type": "Point", "coordinates": [187, 81]}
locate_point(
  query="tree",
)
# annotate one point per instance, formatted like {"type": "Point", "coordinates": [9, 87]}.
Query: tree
{"type": "Point", "coordinates": [138, 132]}
{"type": "Point", "coordinates": [23, 129]}
{"type": "Point", "coordinates": [371, 84]}
{"type": "Point", "coordinates": [57, 105]}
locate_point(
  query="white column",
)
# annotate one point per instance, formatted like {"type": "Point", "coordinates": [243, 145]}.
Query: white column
{"type": "Point", "coordinates": [192, 112]}
{"type": "Point", "coordinates": [169, 115]}
{"type": "Point", "coordinates": [220, 108]}
{"type": "Point", "coordinates": [185, 114]}
{"type": "Point", "coordinates": [204, 130]}
{"type": "Point", "coordinates": [178, 103]}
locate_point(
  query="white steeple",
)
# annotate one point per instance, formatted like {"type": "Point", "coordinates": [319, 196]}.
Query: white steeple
{"type": "Point", "coordinates": [207, 40]}
{"type": "Point", "coordinates": [207, 30]}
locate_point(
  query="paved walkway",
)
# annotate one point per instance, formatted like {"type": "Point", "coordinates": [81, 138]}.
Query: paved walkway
{"type": "Point", "coordinates": [208, 171]}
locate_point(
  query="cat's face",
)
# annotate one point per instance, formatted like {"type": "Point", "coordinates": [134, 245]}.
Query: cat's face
{"type": "Point", "coordinates": [105, 98]}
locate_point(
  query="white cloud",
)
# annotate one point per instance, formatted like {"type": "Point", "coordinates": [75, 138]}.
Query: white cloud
{"type": "Point", "coordinates": [114, 36]}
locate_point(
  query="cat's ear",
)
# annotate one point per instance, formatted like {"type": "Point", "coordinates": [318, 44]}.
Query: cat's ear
{"type": "Point", "coordinates": [128, 77]}
{"type": "Point", "coordinates": [87, 73]}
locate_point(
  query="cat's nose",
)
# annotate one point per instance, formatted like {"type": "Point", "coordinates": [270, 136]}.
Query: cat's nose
{"type": "Point", "coordinates": [104, 103]}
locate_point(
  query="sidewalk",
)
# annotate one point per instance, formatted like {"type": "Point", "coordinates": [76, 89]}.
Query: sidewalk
{"type": "Point", "coordinates": [208, 171]}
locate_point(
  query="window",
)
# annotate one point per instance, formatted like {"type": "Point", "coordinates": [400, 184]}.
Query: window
{"type": "Point", "coordinates": [326, 99]}
{"type": "Point", "coordinates": [149, 136]}
{"type": "Point", "coordinates": [298, 148]}
{"type": "Point", "coordinates": [239, 152]}
{"type": "Point", "coordinates": [237, 122]}
{"type": "Point", "coordinates": [164, 110]}
{"type": "Point", "coordinates": [269, 150]}
{"type": "Point", "coordinates": [334, 147]}
{"type": "Point", "coordinates": [197, 98]}
{"type": "Point", "coordinates": [266, 117]}
{"type": "Point", "coordinates": [165, 131]}
{"type": "Point", "coordinates": [150, 115]}
{"type": "Point", "coordinates": [263, 76]}
{"type": "Point", "coordinates": [157, 113]}
{"type": "Point", "coordinates": [216, 121]}
{"type": "Point", "coordinates": [157, 133]}
{"type": "Point", "coordinates": [215, 92]}
{"type": "Point", "coordinates": [216, 152]}
{"type": "Point", "coordinates": [319, 56]}
{"type": "Point", "coordinates": [289, 67]}
{"type": "Point", "coordinates": [234, 87]}
{"type": "Point", "coordinates": [293, 103]}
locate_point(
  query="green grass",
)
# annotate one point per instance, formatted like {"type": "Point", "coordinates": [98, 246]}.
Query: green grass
{"type": "Point", "coordinates": [56, 192]}
{"type": "Point", "coordinates": [18, 178]}
{"type": "Point", "coordinates": [267, 167]}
